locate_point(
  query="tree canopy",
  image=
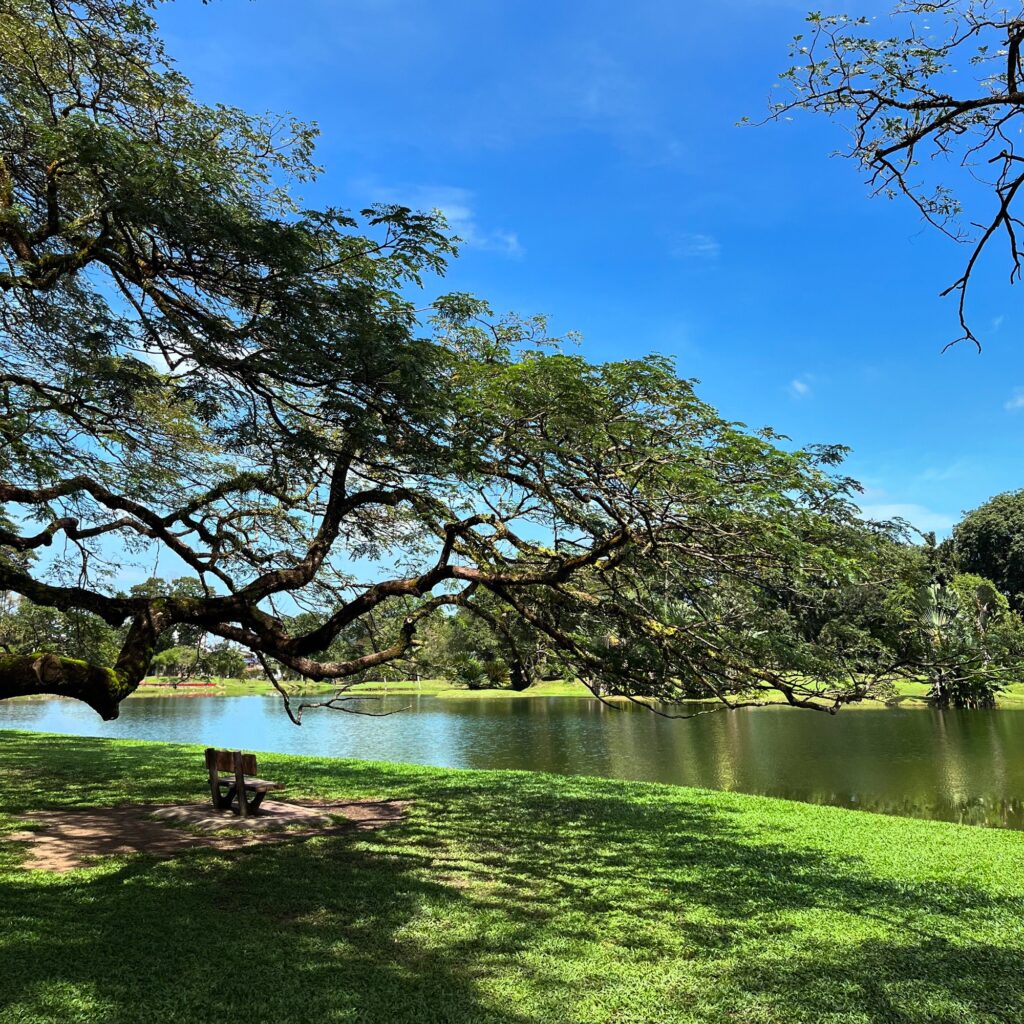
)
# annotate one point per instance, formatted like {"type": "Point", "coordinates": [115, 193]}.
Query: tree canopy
{"type": "Point", "coordinates": [989, 542]}
{"type": "Point", "coordinates": [193, 363]}
{"type": "Point", "coordinates": [933, 101]}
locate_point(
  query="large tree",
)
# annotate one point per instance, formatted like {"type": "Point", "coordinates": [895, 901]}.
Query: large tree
{"type": "Point", "coordinates": [933, 101]}
{"type": "Point", "coordinates": [194, 365]}
{"type": "Point", "coordinates": [989, 542]}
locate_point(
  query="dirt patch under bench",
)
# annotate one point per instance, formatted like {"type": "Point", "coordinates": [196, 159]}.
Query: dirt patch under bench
{"type": "Point", "coordinates": [68, 839]}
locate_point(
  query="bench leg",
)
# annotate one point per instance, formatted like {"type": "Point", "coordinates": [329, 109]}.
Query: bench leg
{"type": "Point", "coordinates": [243, 809]}
{"type": "Point", "coordinates": [224, 801]}
{"type": "Point", "coordinates": [218, 797]}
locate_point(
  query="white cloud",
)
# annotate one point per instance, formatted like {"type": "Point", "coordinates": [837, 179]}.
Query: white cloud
{"type": "Point", "coordinates": [1016, 401]}
{"type": "Point", "coordinates": [998, 321]}
{"type": "Point", "coordinates": [457, 205]}
{"type": "Point", "coordinates": [454, 203]}
{"type": "Point", "coordinates": [695, 244]}
{"type": "Point", "coordinates": [158, 361]}
{"type": "Point", "coordinates": [584, 84]}
{"type": "Point", "coordinates": [800, 387]}
{"type": "Point", "coordinates": [925, 519]}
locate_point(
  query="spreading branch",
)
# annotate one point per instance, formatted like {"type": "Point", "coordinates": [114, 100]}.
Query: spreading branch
{"type": "Point", "coordinates": [943, 91]}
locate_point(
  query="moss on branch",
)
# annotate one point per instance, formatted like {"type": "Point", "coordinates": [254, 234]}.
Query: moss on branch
{"type": "Point", "coordinates": [103, 689]}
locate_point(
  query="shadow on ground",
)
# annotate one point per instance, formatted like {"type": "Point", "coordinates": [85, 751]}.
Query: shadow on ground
{"type": "Point", "coordinates": [506, 898]}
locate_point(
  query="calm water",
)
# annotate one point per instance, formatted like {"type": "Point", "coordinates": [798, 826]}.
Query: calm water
{"type": "Point", "coordinates": [958, 766]}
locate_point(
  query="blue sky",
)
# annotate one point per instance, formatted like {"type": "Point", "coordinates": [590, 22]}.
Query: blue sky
{"type": "Point", "coordinates": [588, 154]}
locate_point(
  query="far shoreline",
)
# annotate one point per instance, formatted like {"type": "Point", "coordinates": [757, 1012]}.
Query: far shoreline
{"type": "Point", "coordinates": [909, 694]}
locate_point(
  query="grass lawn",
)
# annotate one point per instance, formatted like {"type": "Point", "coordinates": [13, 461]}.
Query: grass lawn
{"type": "Point", "coordinates": [910, 694]}
{"type": "Point", "coordinates": [162, 686]}
{"type": "Point", "coordinates": [507, 897]}
{"type": "Point", "coordinates": [220, 686]}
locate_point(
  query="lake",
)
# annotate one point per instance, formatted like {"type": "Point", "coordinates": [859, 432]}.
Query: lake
{"type": "Point", "coordinates": [956, 766]}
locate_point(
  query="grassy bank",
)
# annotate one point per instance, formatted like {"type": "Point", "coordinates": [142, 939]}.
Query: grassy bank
{"type": "Point", "coordinates": [908, 693]}
{"type": "Point", "coordinates": [507, 898]}
{"type": "Point", "coordinates": [164, 686]}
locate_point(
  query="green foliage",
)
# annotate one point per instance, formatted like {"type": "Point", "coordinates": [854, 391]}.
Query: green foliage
{"type": "Point", "coordinates": [972, 644]}
{"type": "Point", "coordinates": [989, 542]}
{"type": "Point", "coordinates": [223, 660]}
{"type": "Point", "coordinates": [183, 634]}
{"type": "Point", "coordinates": [465, 649]}
{"type": "Point", "coordinates": [177, 661]}
{"type": "Point", "coordinates": [25, 628]}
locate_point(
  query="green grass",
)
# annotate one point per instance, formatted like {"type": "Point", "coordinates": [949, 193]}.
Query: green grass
{"type": "Point", "coordinates": [507, 897]}
{"type": "Point", "coordinates": [548, 688]}
{"type": "Point", "coordinates": [909, 693]}
{"type": "Point", "coordinates": [161, 686]}
{"type": "Point", "coordinates": [912, 694]}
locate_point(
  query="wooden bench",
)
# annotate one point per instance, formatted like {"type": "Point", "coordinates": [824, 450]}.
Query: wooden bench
{"type": "Point", "coordinates": [238, 782]}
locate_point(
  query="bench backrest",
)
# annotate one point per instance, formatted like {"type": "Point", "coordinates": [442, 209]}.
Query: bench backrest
{"type": "Point", "coordinates": [224, 761]}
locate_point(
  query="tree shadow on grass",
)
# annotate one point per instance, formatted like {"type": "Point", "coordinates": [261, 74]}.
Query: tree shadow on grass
{"type": "Point", "coordinates": [306, 932]}
{"type": "Point", "coordinates": [780, 930]}
{"type": "Point", "coordinates": [505, 897]}
{"type": "Point", "coordinates": [68, 771]}
{"type": "Point", "coordinates": [302, 931]}
{"type": "Point", "coordinates": [925, 978]}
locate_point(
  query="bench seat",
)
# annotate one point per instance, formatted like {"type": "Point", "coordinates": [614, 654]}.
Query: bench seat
{"type": "Point", "coordinates": [260, 785]}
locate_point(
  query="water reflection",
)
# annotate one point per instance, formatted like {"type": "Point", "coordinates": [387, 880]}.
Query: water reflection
{"type": "Point", "coordinates": [957, 766]}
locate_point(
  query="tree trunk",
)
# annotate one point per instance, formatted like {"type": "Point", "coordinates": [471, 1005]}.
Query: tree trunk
{"type": "Point", "coordinates": [519, 675]}
{"type": "Point", "coordinates": [103, 689]}
{"type": "Point", "coordinates": [25, 675]}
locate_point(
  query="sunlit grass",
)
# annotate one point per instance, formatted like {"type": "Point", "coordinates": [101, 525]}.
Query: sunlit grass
{"type": "Point", "coordinates": [908, 692]}
{"type": "Point", "coordinates": [507, 897]}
